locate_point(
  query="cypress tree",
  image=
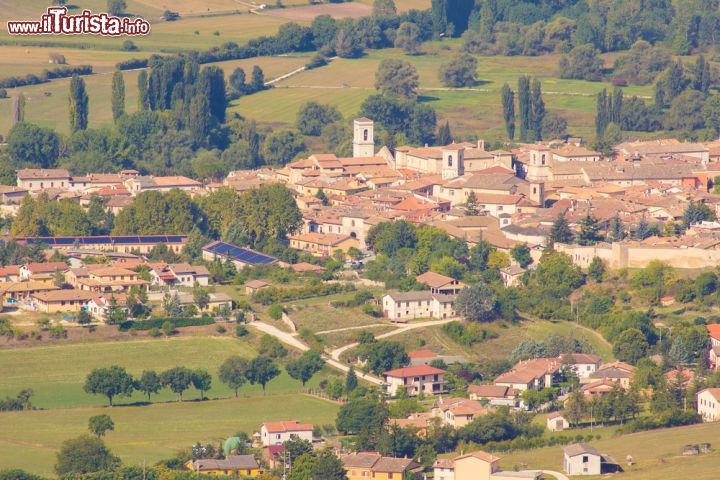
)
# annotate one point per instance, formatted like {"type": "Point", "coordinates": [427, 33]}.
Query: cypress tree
{"type": "Point", "coordinates": [143, 100]}
{"type": "Point", "coordinates": [660, 94]}
{"type": "Point", "coordinates": [78, 100]}
{"type": "Point", "coordinates": [508, 103]}
{"type": "Point", "coordinates": [118, 95]}
{"type": "Point", "coordinates": [676, 82]}
{"type": "Point", "coordinates": [617, 106]}
{"type": "Point", "coordinates": [18, 109]}
{"type": "Point", "coordinates": [444, 137]}
{"type": "Point", "coordinates": [538, 109]}
{"type": "Point", "coordinates": [212, 85]}
{"type": "Point", "coordinates": [524, 107]}
{"type": "Point", "coordinates": [601, 116]}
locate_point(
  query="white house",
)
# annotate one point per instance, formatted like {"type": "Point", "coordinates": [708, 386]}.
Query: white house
{"type": "Point", "coordinates": [582, 459]}
{"type": "Point", "coordinates": [277, 433]}
{"type": "Point", "coordinates": [708, 404]}
{"type": "Point", "coordinates": [419, 378]}
{"type": "Point", "coordinates": [557, 422]}
{"type": "Point", "coordinates": [583, 364]}
{"type": "Point", "coordinates": [405, 306]}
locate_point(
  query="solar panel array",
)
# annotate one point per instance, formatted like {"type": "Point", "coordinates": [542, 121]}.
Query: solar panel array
{"type": "Point", "coordinates": [240, 254]}
{"type": "Point", "coordinates": [125, 239]}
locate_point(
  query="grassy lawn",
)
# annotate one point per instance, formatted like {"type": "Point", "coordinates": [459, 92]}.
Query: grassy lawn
{"type": "Point", "coordinates": [338, 339]}
{"type": "Point", "coordinates": [318, 315]}
{"type": "Point", "coordinates": [657, 454]}
{"type": "Point", "coordinates": [57, 373]}
{"type": "Point", "coordinates": [29, 440]}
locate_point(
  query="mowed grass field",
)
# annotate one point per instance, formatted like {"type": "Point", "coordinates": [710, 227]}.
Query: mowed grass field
{"type": "Point", "coordinates": [56, 374]}
{"type": "Point", "coordinates": [146, 434]}
{"type": "Point", "coordinates": [657, 454]}
{"type": "Point", "coordinates": [345, 83]}
{"type": "Point", "coordinates": [52, 110]}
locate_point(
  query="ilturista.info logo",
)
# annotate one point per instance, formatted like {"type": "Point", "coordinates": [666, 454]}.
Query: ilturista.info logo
{"type": "Point", "coordinates": [57, 21]}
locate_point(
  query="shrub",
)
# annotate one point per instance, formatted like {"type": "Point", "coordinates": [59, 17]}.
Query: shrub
{"type": "Point", "coordinates": [154, 332]}
{"type": "Point", "coordinates": [275, 311]}
{"type": "Point", "coordinates": [241, 331]}
{"type": "Point", "coordinates": [159, 321]}
{"type": "Point", "coordinates": [220, 329]}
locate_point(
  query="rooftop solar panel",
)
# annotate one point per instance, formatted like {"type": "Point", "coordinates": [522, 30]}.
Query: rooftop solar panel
{"type": "Point", "coordinates": [240, 254]}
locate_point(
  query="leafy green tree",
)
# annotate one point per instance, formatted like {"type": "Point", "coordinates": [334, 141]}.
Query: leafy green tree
{"type": "Point", "coordinates": [616, 230]}
{"type": "Point", "coordinates": [554, 126]}
{"type": "Point", "coordinates": [111, 382]}
{"type": "Point", "coordinates": [211, 83]}
{"type": "Point", "coordinates": [201, 120]}
{"type": "Point", "coordinates": [202, 381]}
{"type": "Point", "coordinates": [143, 96]}
{"type": "Point", "coordinates": [282, 147]}
{"type": "Point", "coordinates": [384, 8]}
{"type": "Point", "coordinates": [78, 100]}
{"type": "Point", "coordinates": [407, 37]}
{"type": "Point", "coordinates": [471, 205]}
{"type": "Point", "coordinates": [359, 413]}
{"type": "Point", "coordinates": [582, 63]}
{"type": "Point", "coordinates": [630, 346]}
{"type": "Point", "coordinates": [444, 137]}
{"type": "Point", "coordinates": [84, 454]}
{"type": "Point", "coordinates": [560, 231]}
{"type": "Point", "coordinates": [296, 447]}
{"type": "Point", "coordinates": [261, 371]}
{"type": "Point", "coordinates": [695, 213]}
{"type": "Point", "coordinates": [508, 103]}
{"type": "Point", "coordinates": [116, 7]}
{"type": "Point", "coordinates": [389, 237]}
{"type": "Point", "coordinates": [100, 424]}
{"type": "Point", "coordinates": [257, 79]}
{"type": "Point", "coordinates": [521, 254]}
{"type": "Point", "coordinates": [31, 145]}
{"type": "Point", "coordinates": [397, 77]}
{"type": "Point", "coordinates": [177, 379]}
{"type": "Point", "coordinates": [233, 372]}
{"type": "Point", "coordinates": [328, 466]}
{"type": "Point", "coordinates": [118, 95]}
{"type": "Point", "coordinates": [312, 117]}
{"type": "Point", "coordinates": [596, 269]}
{"type": "Point", "coordinates": [149, 383]}
{"type": "Point", "coordinates": [201, 297]}
{"type": "Point", "coordinates": [686, 112]}
{"type": "Point", "coordinates": [675, 80]}
{"type": "Point", "coordinates": [459, 71]}
{"type": "Point", "coordinates": [382, 356]}
{"type": "Point", "coordinates": [477, 303]}
{"type": "Point", "coordinates": [307, 365]}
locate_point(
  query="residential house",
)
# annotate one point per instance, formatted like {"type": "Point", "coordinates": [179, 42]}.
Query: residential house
{"type": "Point", "coordinates": [536, 373]}
{"type": "Point", "coordinates": [11, 273]}
{"type": "Point", "coordinates": [180, 274]}
{"type": "Point", "coordinates": [599, 387]}
{"type": "Point", "coordinates": [479, 465]}
{"type": "Point", "coordinates": [616, 372]}
{"type": "Point", "coordinates": [111, 279]}
{"type": "Point", "coordinates": [99, 305]}
{"type": "Point", "coordinates": [47, 268]}
{"type": "Point", "coordinates": [38, 179]}
{"type": "Point", "coordinates": [582, 459]}
{"type": "Point", "coordinates": [496, 395]}
{"type": "Point", "coordinates": [323, 244]}
{"type": "Point", "coordinates": [61, 300]}
{"type": "Point", "coordinates": [401, 307]}
{"type": "Point", "coordinates": [11, 195]}
{"type": "Point", "coordinates": [556, 422]}
{"type": "Point", "coordinates": [458, 412]}
{"type": "Point", "coordinates": [708, 404]}
{"type": "Point", "coordinates": [512, 275]}
{"type": "Point", "coordinates": [422, 357]}
{"type": "Point", "coordinates": [714, 345]}
{"type": "Point", "coordinates": [440, 284]}
{"type": "Point", "coordinates": [364, 465]}
{"type": "Point", "coordinates": [231, 466]}
{"type": "Point", "coordinates": [420, 378]}
{"type": "Point", "coordinates": [139, 184]}
{"type": "Point", "coordinates": [444, 469]}
{"type": "Point", "coordinates": [254, 286]}
{"type": "Point", "coordinates": [22, 291]}
{"type": "Point", "coordinates": [277, 433]}
{"type": "Point", "coordinates": [121, 243]}
{"type": "Point", "coordinates": [583, 364]}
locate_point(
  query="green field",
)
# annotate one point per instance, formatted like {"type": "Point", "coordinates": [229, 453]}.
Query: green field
{"type": "Point", "coordinates": [57, 373]}
{"type": "Point", "coordinates": [29, 440]}
{"type": "Point", "coordinates": [657, 454]}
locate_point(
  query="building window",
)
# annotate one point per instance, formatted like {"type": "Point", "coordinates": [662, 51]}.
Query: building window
{"type": "Point", "coordinates": [365, 135]}
{"type": "Point", "coordinates": [450, 160]}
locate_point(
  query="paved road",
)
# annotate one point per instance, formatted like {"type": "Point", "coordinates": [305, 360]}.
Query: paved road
{"type": "Point", "coordinates": [335, 354]}
{"type": "Point", "coordinates": [558, 475]}
{"type": "Point", "coordinates": [361, 327]}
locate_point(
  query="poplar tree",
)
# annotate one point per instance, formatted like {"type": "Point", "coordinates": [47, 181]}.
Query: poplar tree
{"type": "Point", "coordinates": [118, 95]}
{"type": "Point", "coordinates": [78, 100]}
{"type": "Point", "coordinates": [18, 111]}
{"type": "Point", "coordinates": [538, 109]}
{"type": "Point", "coordinates": [524, 107]}
{"type": "Point", "coordinates": [143, 99]}
{"type": "Point", "coordinates": [508, 103]}
{"type": "Point", "coordinates": [617, 106]}
{"type": "Point", "coordinates": [601, 114]}
{"type": "Point", "coordinates": [212, 85]}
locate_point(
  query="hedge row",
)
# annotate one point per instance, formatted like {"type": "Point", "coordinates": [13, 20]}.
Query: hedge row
{"type": "Point", "coordinates": [45, 76]}
{"type": "Point", "coordinates": [158, 322]}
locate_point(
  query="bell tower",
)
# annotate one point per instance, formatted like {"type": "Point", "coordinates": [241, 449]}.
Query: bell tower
{"type": "Point", "coordinates": [453, 162]}
{"type": "Point", "coordinates": [363, 138]}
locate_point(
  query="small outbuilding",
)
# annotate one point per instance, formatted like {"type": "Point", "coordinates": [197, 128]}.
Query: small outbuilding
{"type": "Point", "coordinates": [557, 422]}
{"type": "Point", "coordinates": [254, 286]}
{"type": "Point", "coordinates": [582, 459]}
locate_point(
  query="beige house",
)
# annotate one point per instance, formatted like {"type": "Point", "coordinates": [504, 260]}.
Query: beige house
{"type": "Point", "coordinates": [277, 433]}
{"type": "Point", "coordinates": [401, 307]}
{"type": "Point", "coordinates": [323, 244]}
{"type": "Point", "coordinates": [38, 179]}
{"type": "Point", "coordinates": [458, 412]}
{"type": "Point", "coordinates": [556, 422]}
{"type": "Point", "coordinates": [497, 395]}
{"type": "Point", "coordinates": [420, 378]}
{"type": "Point", "coordinates": [477, 465]}
{"type": "Point", "coordinates": [708, 404]}
{"type": "Point", "coordinates": [440, 284]}
{"type": "Point", "coordinates": [61, 300]}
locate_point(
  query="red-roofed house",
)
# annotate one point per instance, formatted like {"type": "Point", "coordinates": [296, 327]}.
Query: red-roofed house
{"type": "Point", "coordinates": [714, 346]}
{"type": "Point", "coordinates": [277, 433]}
{"type": "Point", "coordinates": [416, 379]}
{"type": "Point", "coordinates": [30, 269]}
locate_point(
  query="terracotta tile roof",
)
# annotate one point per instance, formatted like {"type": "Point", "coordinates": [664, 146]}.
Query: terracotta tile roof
{"type": "Point", "coordinates": [715, 392]}
{"type": "Point", "coordinates": [38, 173]}
{"type": "Point", "coordinates": [479, 454]}
{"type": "Point", "coordinates": [491, 391]}
{"type": "Point", "coordinates": [48, 267]}
{"type": "Point", "coordinates": [287, 426]}
{"type": "Point", "coordinates": [63, 295]}
{"type": "Point", "coordinates": [714, 330]}
{"type": "Point", "coordinates": [434, 280]}
{"type": "Point", "coordinates": [418, 370]}
{"type": "Point", "coordinates": [422, 354]}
